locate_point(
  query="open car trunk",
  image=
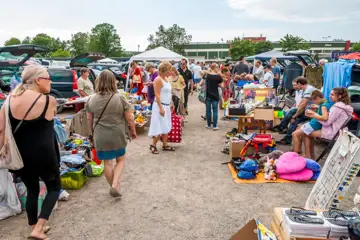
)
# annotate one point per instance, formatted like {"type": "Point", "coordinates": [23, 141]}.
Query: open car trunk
{"type": "Point", "coordinates": [303, 55]}
{"type": "Point", "coordinates": [17, 55]}
{"type": "Point", "coordinates": [84, 59]}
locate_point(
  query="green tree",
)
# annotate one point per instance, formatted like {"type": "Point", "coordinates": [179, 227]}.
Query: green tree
{"type": "Point", "coordinates": [172, 38]}
{"type": "Point", "coordinates": [104, 39]}
{"type": "Point", "coordinates": [42, 39]}
{"type": "Point", "coordinates": [60, 53]}
{"type": "Point", "coordinates": [356, 47]}
{"type": "Point", "coordinates": [26, 40]}
{"type": "Point", "coordinates": [79, 43]}
{"type": "Point", "coordinates": [12, 41]}
{"type": "Point", "coordinates": [240, 47]}
{"type": "Point", "coordinates": [290, 43]}
{"type": "Point", "coordinates": [261, 47]}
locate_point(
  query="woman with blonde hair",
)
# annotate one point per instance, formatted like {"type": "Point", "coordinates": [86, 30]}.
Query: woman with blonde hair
{"type": "Point", "coordinates": [160, 124]}
{"type": "Point", "coordinates": [31, 113]}
{"type": "Point", "coordinates": [177, 91]}
{"type": "Point", "coordinates": [109, 118]}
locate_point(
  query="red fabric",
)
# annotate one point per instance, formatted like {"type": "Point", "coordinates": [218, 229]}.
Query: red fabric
{"type": "Point", "coordinates": [351, 56]}
{"type": "Point", "coordinates": [139, 86]}
{"type": "Point", "coordinates": [175, 135]}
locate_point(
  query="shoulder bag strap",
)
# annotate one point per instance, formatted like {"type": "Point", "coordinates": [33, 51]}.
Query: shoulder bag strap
{"type": "Point", "coordinates": [26, 114]}
{"type": "Point", "coordinates": [101, 114]}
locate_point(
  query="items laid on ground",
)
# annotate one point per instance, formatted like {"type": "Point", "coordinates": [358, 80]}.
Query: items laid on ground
{"type": "Point", "coordinates": [251, 154]}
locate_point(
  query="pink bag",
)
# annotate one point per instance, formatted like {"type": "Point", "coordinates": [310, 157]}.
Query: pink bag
{"type": "Point", "coordinates": [175, 135]}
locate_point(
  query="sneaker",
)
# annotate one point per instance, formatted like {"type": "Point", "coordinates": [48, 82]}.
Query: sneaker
{"type": "Point", "coordinates": [208, 127]}
{"type": "Point", "coordinates": [216, 128]}
{"type": "Point", "coordinates": [275, 129]}
{"type": "Point", "coordinates": [283, 142]}
{"type": "Point", "coordinates": [283, 131]}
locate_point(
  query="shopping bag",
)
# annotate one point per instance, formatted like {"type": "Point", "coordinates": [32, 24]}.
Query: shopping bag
{"type": "Point", "coordinates": [202, 93]}
{"type": "Point", "coordinates": [136, 79]}
{"type": "Point", "coordinates": [10, 157]}
{"type": "Point", "coordinates": [175, 135]}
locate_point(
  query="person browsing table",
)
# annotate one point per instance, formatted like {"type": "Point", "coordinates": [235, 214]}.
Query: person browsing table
{"type": "Point", "coordinates": [85, 86]}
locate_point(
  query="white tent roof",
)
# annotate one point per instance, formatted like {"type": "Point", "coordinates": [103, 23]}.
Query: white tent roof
{"type": "Point", "coordinates": [105, 60]}
{"type": "Point", "coordinates": [159, 53]}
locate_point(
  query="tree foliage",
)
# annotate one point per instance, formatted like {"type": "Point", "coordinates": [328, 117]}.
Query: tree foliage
{"type": "Point", "coordinates": [79, 43]}
{"type": "Point", "coordinates": [12, 41]}
{"type": "Point", "coordinates": [172, 38]}
{"type": "Point", "coordinates": [291, 43]}
{"type": "Point", "coordinates": [261, 47]}
{"type": "Point", "coordinates": [356, 47]}
{"type": "Point", "coordinates": [240, 47]}
{"type": "Point", "coordinates": [26, 40]}
{"type": "Point", "coordinates": [60, 53]}
{"type": "Point", "coordinates": [105, 39]}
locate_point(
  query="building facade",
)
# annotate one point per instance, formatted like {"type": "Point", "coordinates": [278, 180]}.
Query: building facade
{"type": "Point", "coordinates": [220, 51]}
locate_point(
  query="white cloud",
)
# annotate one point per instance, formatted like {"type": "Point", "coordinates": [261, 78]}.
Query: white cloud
{"type": "Point", "coordinates": [306, 11]}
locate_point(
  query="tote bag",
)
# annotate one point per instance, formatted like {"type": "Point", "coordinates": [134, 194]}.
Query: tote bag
{"type": "Point", "coordinates": [202, 93]}
{"type": "Point", "coordinates": [10, 157]}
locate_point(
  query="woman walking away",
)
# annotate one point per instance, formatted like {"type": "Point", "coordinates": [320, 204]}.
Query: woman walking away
{"type": "Point", "coordinates": [339, 113]}
{"type": "Point", "coordinates": [31, 116]}
{"type": "Point", "coordinates": [212, 80]}
{"type": "Point", "coordinates": [160, 124]}
{"type": "Point", "coordinates": [110, 117]}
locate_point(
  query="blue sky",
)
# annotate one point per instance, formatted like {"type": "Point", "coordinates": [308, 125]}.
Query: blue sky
{"type": "Point", "coordinates": [205, 20]}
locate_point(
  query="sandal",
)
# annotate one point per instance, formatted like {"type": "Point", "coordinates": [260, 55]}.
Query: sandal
{"type": "Point", "coordinates": [305, 219]}
{"type": "Point", "coordinates": [334, 213]}
{"type": "Point", "coordinates": [300, 211]}
{"type": "Point", "coordinates": [168, 148]}
{"type": "Point", "coordinates": [36, 238]}
{"type": "Point", "coordinates": [153, 149]}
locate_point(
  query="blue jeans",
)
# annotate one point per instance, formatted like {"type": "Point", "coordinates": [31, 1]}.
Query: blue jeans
{"type": "Point", "coordinates": [214, 106]}
{"type": "Point", "coordinates": [287, 118]}
{"type": "Point", "coordinates": [292, 128]}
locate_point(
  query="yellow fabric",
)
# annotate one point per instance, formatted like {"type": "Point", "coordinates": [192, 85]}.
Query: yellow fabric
{"type": "Point", "coordinates": [259, 178]}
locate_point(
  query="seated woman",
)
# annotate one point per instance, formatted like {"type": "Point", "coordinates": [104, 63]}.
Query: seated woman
{"type": "Point", "coordinates": [338, 115]}
{"type": "Point", "coordinates": [306, 129]}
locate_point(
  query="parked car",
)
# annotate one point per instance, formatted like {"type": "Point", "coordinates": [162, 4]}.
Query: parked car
{"type": "Point", "coordinates": [114, 68]}
{"type": "Point", "coordinates": [13, 58]}
{"type": "Point", "coordinates": [354, 89]}
{"type": "Point", "coordinates": [64, 81]}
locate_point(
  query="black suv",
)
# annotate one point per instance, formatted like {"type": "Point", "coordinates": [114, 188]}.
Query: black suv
{"type": "Point", "coordinates": [64, 81]}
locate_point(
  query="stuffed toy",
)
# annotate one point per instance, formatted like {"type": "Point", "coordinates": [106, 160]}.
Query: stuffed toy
{"type": "Point", "coordinates": [275, 155]}
{"type": "Point", "coordinates": [270, 169]}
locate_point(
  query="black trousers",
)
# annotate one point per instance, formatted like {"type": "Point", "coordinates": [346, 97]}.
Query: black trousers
{"type": "Point", "coordinates": [186, 97]}
{"type": "Point", "coordinates": [33, 189]}
{"type": "Point", "coordinates": [176, 102]}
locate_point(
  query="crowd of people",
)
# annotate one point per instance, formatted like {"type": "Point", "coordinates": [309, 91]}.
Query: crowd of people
{"type": "Point", "coordinates": [167, 88]}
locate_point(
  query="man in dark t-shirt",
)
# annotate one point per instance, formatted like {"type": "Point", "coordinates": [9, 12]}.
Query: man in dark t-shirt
{"type": "Point", "coordinates": [189, 83]}
{"type": "Point", "coordinates": [241, 68]}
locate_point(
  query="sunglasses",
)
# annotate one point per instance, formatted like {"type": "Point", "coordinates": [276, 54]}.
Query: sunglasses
{"type": "Point", "coordinates": [49, 79]}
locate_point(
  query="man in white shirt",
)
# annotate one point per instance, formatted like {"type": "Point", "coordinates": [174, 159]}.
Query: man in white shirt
{"type": "Point", "coordinates": [258, 71]}
{"type": "Point", "coordinates": [283, 126]}
{"type": "Point", "coordinates": [268, 79]}
{"type": "Point", "coordinates": [197, 73]}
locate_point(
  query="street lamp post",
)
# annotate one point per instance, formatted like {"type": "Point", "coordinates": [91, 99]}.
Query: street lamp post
{"type": "Point", "coordinates": [138, 47]}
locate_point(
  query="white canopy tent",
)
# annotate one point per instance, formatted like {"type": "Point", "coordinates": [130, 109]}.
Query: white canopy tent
{"type": "Point", "coordinates": [107, 60]}
{"type": "Point", "coordinates": [156, 54]}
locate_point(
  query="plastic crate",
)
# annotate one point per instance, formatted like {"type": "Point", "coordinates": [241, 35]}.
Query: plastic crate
{"type": "Point", "coordinates": [23, 203]}
{"type": "Point", "coordinates": [97, 170]}
{"type": "Point", "coordinates": [73, 180]}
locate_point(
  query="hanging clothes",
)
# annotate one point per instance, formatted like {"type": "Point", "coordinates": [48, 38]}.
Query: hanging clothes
{"type": "Point", "coordinates": [314, 75]}
{"type": "Point", "coordinates": [291, 71]}
{"type": "Point", "coordinates": [337, 74]}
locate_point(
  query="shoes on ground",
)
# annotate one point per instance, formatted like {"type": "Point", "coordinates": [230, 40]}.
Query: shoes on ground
{"type": "Point", "coordinates": [283, 142]}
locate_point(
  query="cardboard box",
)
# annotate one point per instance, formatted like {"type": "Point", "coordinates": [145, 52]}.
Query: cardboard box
{"type": "Point", "coordinates": [235, 148]}
{"type": "Point", "coordinates": [264, 114]}
{"type": "Point", "coordinates": [254, 230]}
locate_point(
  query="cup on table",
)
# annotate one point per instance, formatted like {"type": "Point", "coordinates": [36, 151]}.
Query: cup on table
{"type": "Point", "coordinates": [276, 113]}
{"type": "Point", "coordinates": [281, 114]}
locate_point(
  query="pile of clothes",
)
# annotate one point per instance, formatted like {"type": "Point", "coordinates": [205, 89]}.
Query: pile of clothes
{"type": "Point", "coordinates": [72, 163]}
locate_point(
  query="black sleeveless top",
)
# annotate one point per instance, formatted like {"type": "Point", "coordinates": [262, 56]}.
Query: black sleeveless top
{"type": "Point", "coordinates": [37, 144]}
